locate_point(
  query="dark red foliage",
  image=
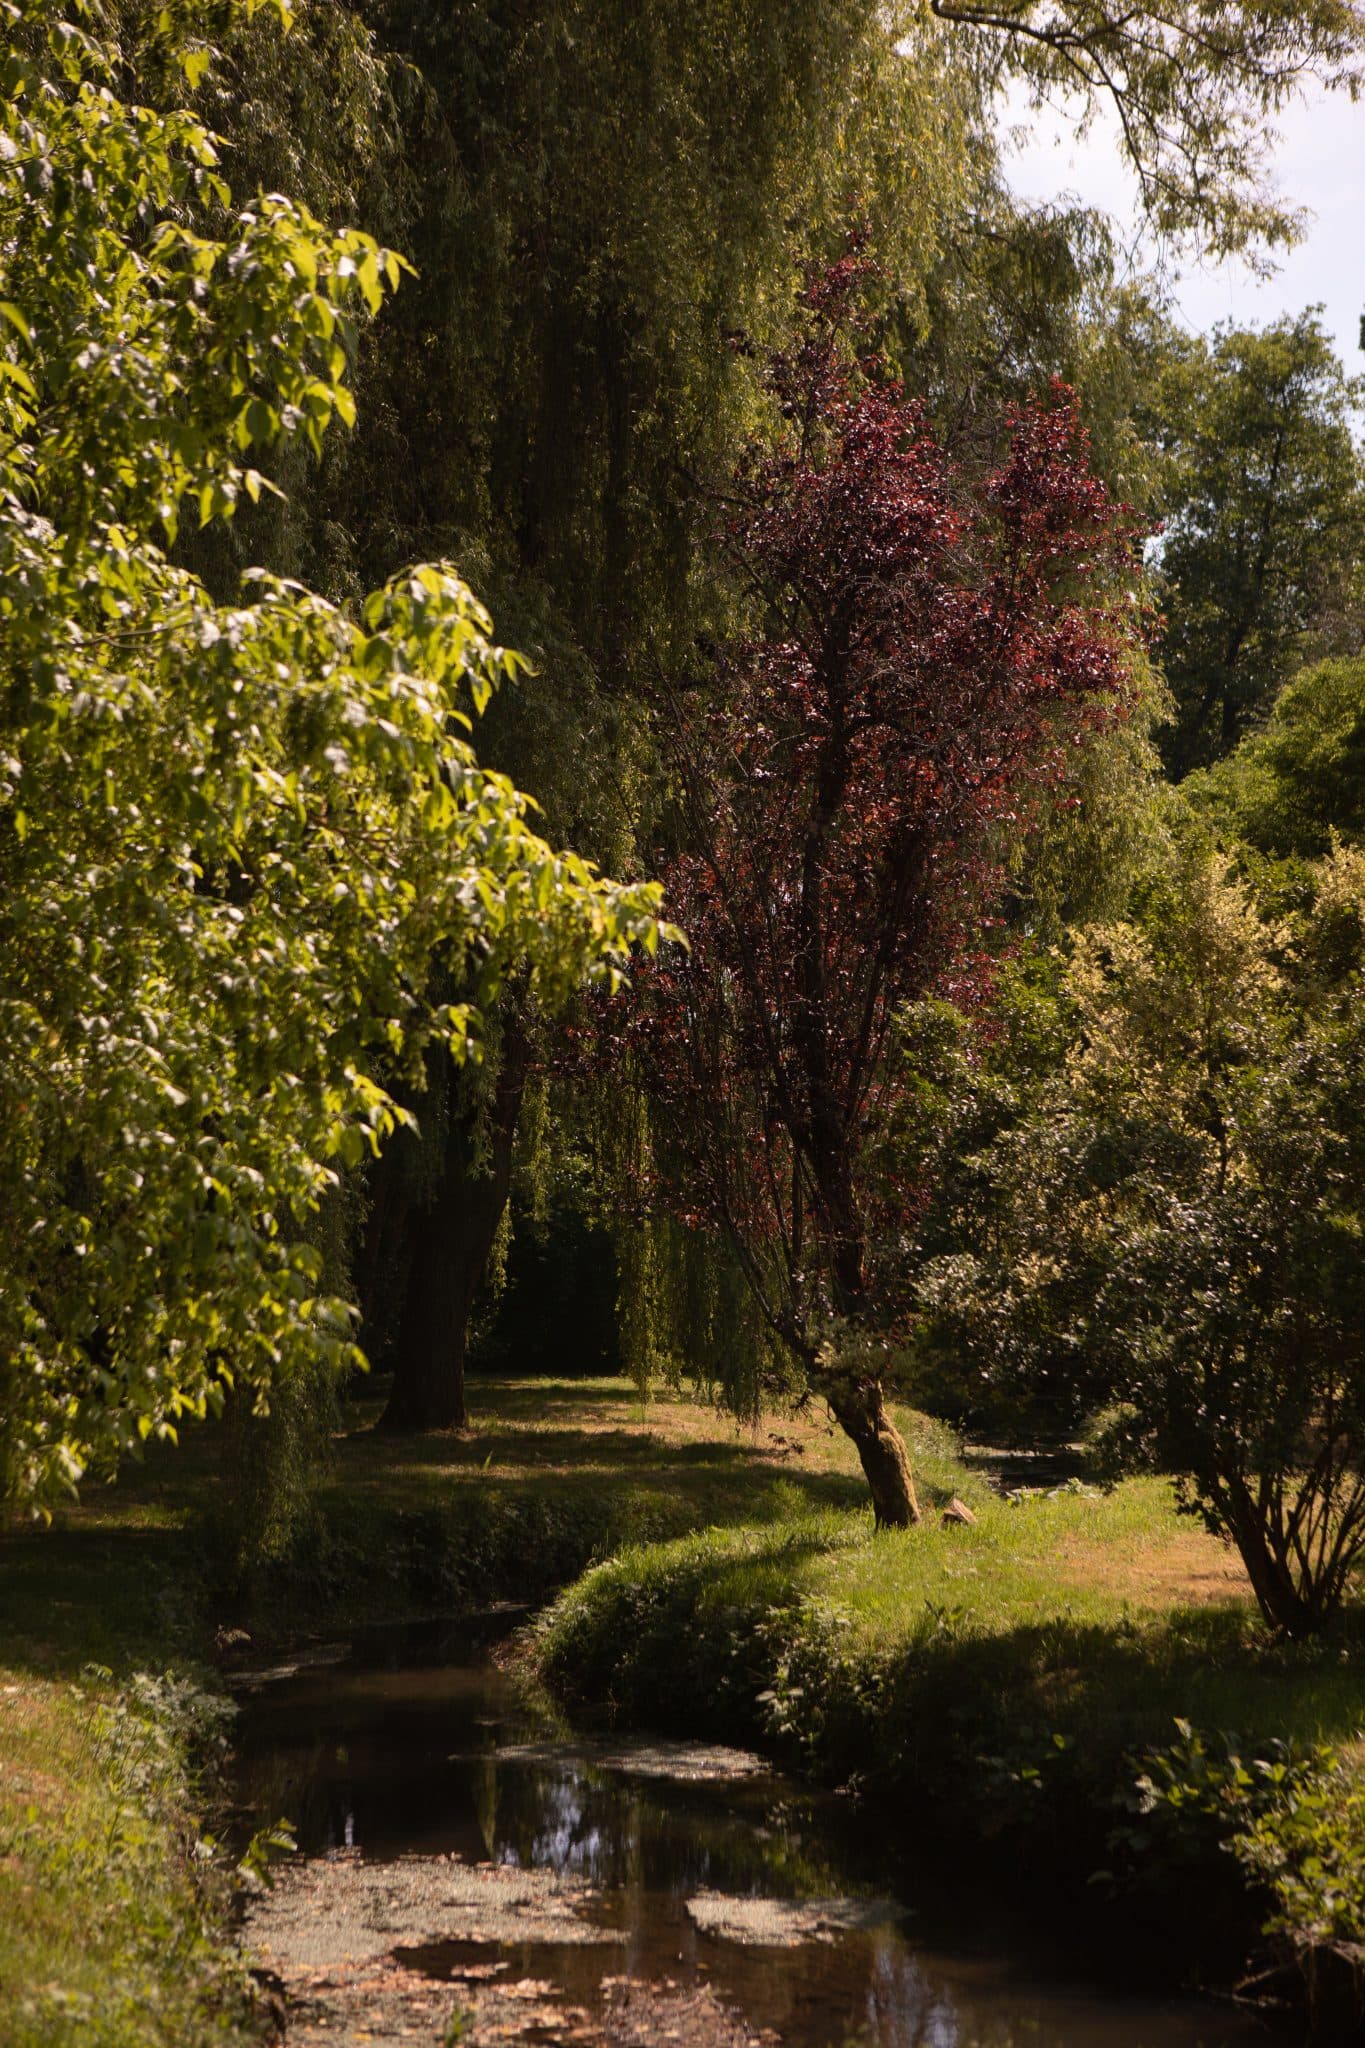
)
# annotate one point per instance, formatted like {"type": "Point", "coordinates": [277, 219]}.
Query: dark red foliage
{"type": "Point", "coordinates": [929, 643]}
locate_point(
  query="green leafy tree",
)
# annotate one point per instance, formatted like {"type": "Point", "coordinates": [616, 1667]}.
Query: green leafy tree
{"type": "Point", "coordinates": [233, 838]}
{"type": "Point", "coordinates": [1300, 780]}
{"type": "Point", "coordinates": [1174, 1232]}
{"type": "Point", "coordinates": [1266, 515]}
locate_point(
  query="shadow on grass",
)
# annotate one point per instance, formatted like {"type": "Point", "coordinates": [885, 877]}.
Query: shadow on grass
{"type": "Point", "coordinates": [522, 1514]}
{"type": "Point", "coordinates": [368, 1454]}
{"type": "Point", "coordinates": [550, 1480]}
{"type": "Point", "coordinates": [524, 1396]}
{"type": "Point", "coordinates": [118, 1594]}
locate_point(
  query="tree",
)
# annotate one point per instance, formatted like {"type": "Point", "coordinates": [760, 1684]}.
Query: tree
{"type": "Point", "coordinates": [1174, 1232]}
{"type": "Point", "coordinates": [1265, 519]}
{"type": "Point", "coordinates": [589, 196]}
{"type": "Point", "coordinates": [1299, 782]}
{"type": "Point", "coordinates": [233, 838]}
{"type": "Point", "coordinates": [435, 1217]}
{"type": "Point", "coordinates": [929, 641]}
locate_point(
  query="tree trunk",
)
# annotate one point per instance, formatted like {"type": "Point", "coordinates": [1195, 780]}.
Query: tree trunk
{"type": "Point", "coordinates": [853, 1391]}
{"type": "Point", "coordinates": [451, 1238]}
{"type": "Point", "coordinates": [861, 1413]}
{"type": "Point", "coordinates": [1287, 1600]}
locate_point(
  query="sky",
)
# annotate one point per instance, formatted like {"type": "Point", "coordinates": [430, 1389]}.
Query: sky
{"type": "Point", "coordinates": [1319, 163]}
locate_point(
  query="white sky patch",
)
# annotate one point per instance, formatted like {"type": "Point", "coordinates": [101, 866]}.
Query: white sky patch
{"type": "Point", "coordinates": [1318, 163]}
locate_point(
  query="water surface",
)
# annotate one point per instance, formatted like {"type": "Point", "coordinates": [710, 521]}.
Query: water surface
{"type": "Point", "coordinates": [411, 1742]}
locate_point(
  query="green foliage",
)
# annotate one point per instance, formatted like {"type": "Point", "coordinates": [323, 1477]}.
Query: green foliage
{"type": "Point", "coordinates": [232, 838]}
{"type": "Point", "coordinates": [596, 199]}
{"type": "Point", "coordinates": [1174, 1226]}
{"type": "Point", "coordinates": [1186, 1804]}
{"type": "Point", "coordinates": [1300, 779]}
{"type": "Point", "coordinates": [1308, 1846]}
{"type": "Point", "coordinates": [1265, 515]}
{"type": "Point", "coordinates": [1293, 1822]}
{"type": "Point", "coordinates": [147, 360]}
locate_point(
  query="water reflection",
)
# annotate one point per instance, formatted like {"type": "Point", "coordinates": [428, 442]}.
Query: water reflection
{"type": "Point", "coordinates": [399, 1750]}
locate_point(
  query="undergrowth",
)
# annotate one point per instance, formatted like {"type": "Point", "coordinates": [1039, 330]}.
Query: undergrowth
{"type": "Point", "coordinates": [113, 1903]}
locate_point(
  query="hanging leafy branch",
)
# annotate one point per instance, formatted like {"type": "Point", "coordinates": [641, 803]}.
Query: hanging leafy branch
{"type": "Point", "coordinates": [1193, 85]}
{"type": "Point", "coordinates": [232, 838]}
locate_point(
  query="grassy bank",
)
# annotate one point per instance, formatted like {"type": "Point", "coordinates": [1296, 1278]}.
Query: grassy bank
{"type": "Point", "coordinates": [112, 1925]}
{"type": "Point", "coordinates": [1072, 1614]}
{"type": "Point", "coordinates": [989, 1681]}
{"type": "Point", "coordinates": [551, 1476]}
{"type": "Point", "coordinates": [109, 1933]}
{"type": "Point", "coordinates": [1080, 1676]}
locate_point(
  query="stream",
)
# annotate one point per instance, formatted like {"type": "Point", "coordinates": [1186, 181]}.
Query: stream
{"type": "Point", "coordinates": [461, 1855]}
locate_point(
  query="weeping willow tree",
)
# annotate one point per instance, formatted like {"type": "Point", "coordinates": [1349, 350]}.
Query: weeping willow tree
{"type": "Point", "coordinates": [605, 207]}
{"type": "Point", "coordinates": [606, 202]}
{"type": "Point", "coordinates": [685, 1313]}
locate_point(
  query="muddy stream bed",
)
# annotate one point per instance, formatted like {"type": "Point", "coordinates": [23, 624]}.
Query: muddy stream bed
{"type": "Point", "coordinates": [469, 1873]}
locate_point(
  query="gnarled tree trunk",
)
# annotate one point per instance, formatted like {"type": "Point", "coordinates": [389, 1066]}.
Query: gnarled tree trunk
{"type": "Point", "coordinates": [847, 1374]}
{"type": "Point", "coordinates": [860, 1409]}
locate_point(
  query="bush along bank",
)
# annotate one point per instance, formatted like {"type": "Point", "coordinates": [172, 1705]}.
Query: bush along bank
{"type": "Point", "coordinates": [997, 1685]}
{"type": "Point", "coordinates": [115, 1906]}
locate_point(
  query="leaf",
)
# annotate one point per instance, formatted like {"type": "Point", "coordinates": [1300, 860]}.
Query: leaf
{"type": "Point", "coordinates": [15, 373]}
{"type": "Point", "coordinates": [368, 276]}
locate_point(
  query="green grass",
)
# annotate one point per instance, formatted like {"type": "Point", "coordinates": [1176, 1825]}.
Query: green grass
{"type": "Point", "coordinates": [981, 1681]}
{"type": "Point", "coordinates": [1002, 1683]}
